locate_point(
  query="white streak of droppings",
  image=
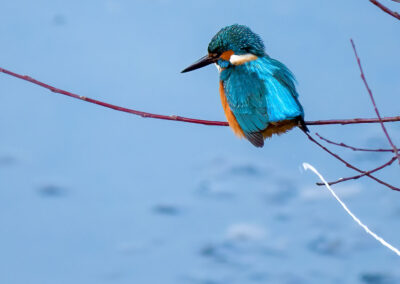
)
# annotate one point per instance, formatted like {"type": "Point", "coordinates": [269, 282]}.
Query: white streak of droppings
{"type": "Point", "coordinates": [307, 166]}
{"type": "Point", "coordinates": [241, 59]}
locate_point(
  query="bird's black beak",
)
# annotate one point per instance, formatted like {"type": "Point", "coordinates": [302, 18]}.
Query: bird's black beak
{"type": "Point", "coordinates": [204, 61]}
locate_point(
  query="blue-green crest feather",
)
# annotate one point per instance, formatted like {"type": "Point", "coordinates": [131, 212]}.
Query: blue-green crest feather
{"type": "Point", "coordinates": [238, 38]}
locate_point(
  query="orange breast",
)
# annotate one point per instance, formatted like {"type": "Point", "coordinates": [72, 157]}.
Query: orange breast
{"type": "Point", "coordinates": [228, 113]}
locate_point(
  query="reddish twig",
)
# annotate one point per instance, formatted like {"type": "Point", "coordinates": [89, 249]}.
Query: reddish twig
{"type": "Point", "coordinates": [361, 175]}
{"type": "Point", "coordinates": [353, 121]}
{"type": "Point", "coordinates": [180, 118]}
{"type": "Point", "coordinates": [347, 164]}
{"type": "Point", "coordinates": [351, 147]}
{"type": "Point", "coordinates": [107, 105]}
{"type": "Point", "coordinates": [396, 152]}
{"type": "Point", "coordinates": [386, 9]}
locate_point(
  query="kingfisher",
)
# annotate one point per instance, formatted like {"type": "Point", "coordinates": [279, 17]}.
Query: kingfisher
{"type": "Point", "coordinates": [258, 93]}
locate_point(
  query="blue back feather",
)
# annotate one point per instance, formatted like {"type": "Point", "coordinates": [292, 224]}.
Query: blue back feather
{"type": "Point", "coordinates": [260, 92]}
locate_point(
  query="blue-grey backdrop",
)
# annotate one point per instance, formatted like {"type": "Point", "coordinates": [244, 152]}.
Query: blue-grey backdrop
{"type": "Point", "coordinates": [91, 195]}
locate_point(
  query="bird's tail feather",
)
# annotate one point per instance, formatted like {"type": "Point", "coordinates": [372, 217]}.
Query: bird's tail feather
{"type": "Point", "coordinates": [255, 138]}
{"type": "Point", "coordinates": [302, 125]}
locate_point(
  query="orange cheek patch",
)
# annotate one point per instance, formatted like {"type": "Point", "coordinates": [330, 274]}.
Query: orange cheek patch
{"type": "Point", "coordinates": [227, 55]}
{"type": "Point", "coordinates": [228, 113]}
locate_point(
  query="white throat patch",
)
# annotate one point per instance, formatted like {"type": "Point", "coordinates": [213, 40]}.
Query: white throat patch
{"type": "Point", "coordinates": [241, 59]}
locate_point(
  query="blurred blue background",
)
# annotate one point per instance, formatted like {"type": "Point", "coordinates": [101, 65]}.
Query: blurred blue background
{"type": "Point", "coordinates": [91, 195]}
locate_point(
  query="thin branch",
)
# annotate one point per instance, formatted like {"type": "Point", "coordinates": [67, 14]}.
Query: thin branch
{"type": "Point", "coordinates": [180, 118]}
{"type": "Point", "coordinates": [307, 166]}
{"type": "Point", "coordinates": [347, 164]}
{"type": "Point", "coordinates": [396, 152]}
{"type": "Point", "coordinates": [351, 147]}
{"type": "Point", "coordinates": [115, 107]}
{"type": "Point", "coordinates": [386, 9]}
{"type": "Point", "coordinates": [387, 164]}
{"type": "Point", "coordinates": [353, 121]}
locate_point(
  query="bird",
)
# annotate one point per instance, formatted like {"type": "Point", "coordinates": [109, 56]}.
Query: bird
{"type": "Point", "coordinates": [258, 93]}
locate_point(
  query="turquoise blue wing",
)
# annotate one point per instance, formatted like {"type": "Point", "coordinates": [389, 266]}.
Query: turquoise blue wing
{"type": "Point", "coordinates": [282, 97]}
{"type": "Point", "coordinates": [245, 93]}
{"type": "Point", "coordinates": [280, 90]}
{"type": "Point", "coordinates": [260, 92]}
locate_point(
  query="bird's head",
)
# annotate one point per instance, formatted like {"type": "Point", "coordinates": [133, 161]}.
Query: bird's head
{"type": "Point", "coordinates": [232, 45]}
